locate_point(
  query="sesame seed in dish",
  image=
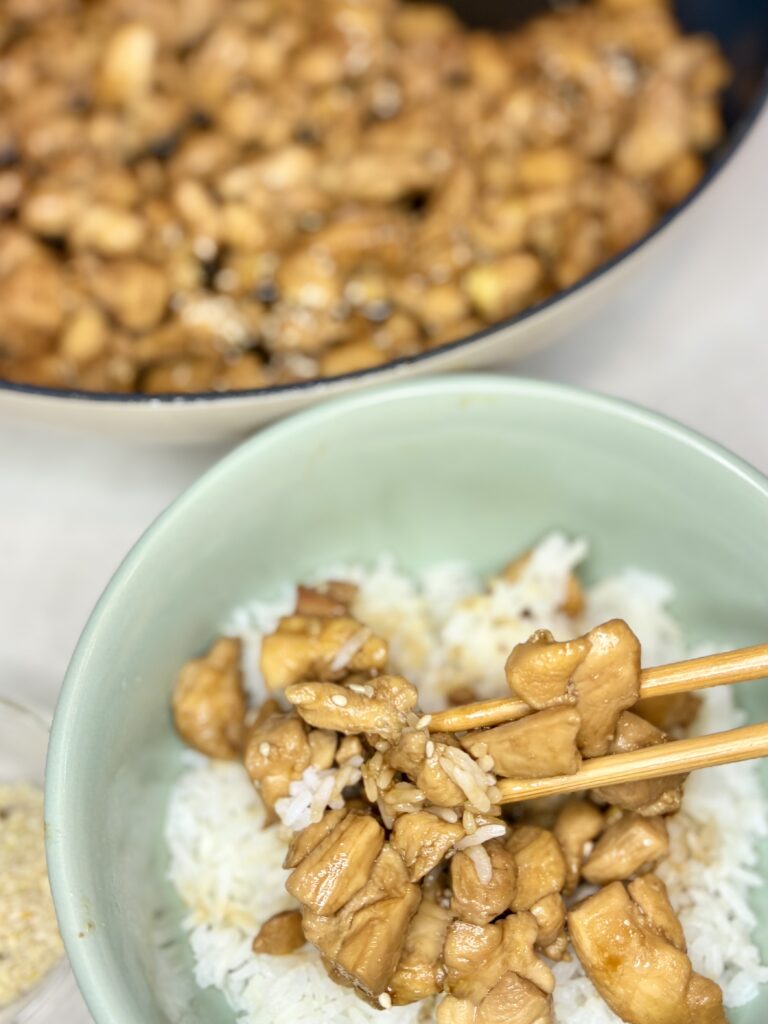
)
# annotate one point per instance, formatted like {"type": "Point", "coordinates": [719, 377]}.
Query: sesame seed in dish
{"type": "Point", "coordinates": [29, 937]}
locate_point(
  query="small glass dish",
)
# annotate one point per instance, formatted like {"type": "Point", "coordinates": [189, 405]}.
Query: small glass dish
{"type": "Point", "coordinates": [23, 747]}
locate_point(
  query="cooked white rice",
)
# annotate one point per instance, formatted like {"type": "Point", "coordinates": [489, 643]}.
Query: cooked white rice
{"type": "Point", "coordinates": [445, 630]}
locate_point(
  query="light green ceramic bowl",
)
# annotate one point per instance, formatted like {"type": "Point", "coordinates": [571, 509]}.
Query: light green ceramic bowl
{"type": "Point", "coordinates": [471, 468]}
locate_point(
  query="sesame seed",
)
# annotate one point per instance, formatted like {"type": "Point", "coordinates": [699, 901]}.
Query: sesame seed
{"type": "Point", "coordinates": [204, 248]}
{"type": "Point", "coordinates": [424, 721]}
{"type": "Point", "coordinates": [385, 1001]}
{"type": "Point", "coordinates": [29, 938]}
{"type": "Point", "coordinates": [227, 279]}
{"type": "Point", "coordinates": [264, 749]}
{"type": "Point", "coordinates": [339, 700]}
{"type": "Point", "coordinates": [429, 750]}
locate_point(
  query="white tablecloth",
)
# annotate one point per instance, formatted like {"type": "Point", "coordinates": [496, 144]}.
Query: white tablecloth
{"type": "Point", "coordinates": [688, 338]}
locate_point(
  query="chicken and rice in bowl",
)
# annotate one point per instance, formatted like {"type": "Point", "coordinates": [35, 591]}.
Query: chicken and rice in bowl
{"type": "Point", "coordinates": [340, 858]}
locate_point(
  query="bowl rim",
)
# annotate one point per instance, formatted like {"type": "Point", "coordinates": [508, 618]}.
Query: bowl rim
{"type": "Point", "coordinates": [65, 872]}
{"type": "Point", "coordinates": [733, 144]}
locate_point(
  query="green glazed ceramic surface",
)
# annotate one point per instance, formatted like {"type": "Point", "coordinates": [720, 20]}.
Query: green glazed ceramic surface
{"type": "Point", "coordinates": [471, 468]}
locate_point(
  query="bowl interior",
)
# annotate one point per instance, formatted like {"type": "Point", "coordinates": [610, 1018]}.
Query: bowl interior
{"type": "Point", "coordinates": [469, 468]}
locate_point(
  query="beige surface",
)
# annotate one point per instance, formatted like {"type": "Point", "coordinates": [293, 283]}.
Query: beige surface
{"type": "Point", "coordinates": [688, 338]}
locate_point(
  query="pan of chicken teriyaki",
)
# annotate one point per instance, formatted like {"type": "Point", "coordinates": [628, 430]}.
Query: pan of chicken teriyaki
{"type": "Point", "coordinates": [341, 835]}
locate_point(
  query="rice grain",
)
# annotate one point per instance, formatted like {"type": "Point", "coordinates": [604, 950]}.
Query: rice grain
{"type": "Point", "coordinates": [483, 867]}
{"type": "Point", "coordinates": [481, 835]}
{"type": "Point", "coordinates": [349, 649]}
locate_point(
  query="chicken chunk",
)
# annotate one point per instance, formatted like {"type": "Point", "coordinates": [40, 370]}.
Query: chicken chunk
{"type": "Point", "coordinates": [578, 823]}
{"type": "Point", "coordinates": [540, 865]}
{"type": "Point", "coordinates": [257, 716]}
{"type": "Point", "coordinates": [322, 744]}
{"type": "Point", "coordinates": [512, 1000]}
{"type": "Point", "coordinates": [650, 796]}
{"type": "Point", "coordinates": [305, 841]}
{"type": "Point", "coordinates": [634, 732]}
{"type": "Point", "coordinates": [313, 603]}
{"type": "Point", "coordinates": [549, 914]}
{"type": "Point", "coordinates": [349, 746]}
{"type": "Point", "coordinates": [408, 753]}
{"type": "Point", "coordinates": [667, 802]}
{"type": "Point", "coordinates": [287, 655]}
{"type": "Point", "coordinates": [631, 845]}
{"type": "Point", "coordinates": [434, 781]}
{"type": "Point", "coordinates": [461, 694]}
{"type": "Point", "coordinates": [606, 682]}
{"type": "Point", "coordinates": [650, 894]}
{"type": "Point", "coordinates": [478, 900]}
{"type": "Point", "coordinates": [339, 865]}
{"type": "Point", "coordinates": [331, 706]}
{"type": "Point", "coordinates": [277, 753]}
{"type": "Point", "coordinates": [328, 600]}
{"type": "Point", "coordinates": [515, 1000]}
{"type": "Point", "coordinates": [364, 941]}
{"type": "Point", "coordinates": [473, 957]}
{"type": "Point", "coordinates": [280, 935]}
{"type": "Point", "coordinates": [313, 647]}
{"type": "Point", "coordinates": [573, 599]}
{"type": "Point", "coordinates": [423, 841]}
{"type": "Point", "coordinates": [539, 671]}
{"type": "Point", "coordinates": [395, 691]}
{"type": "Point", "coordinates": [420, 972]}
{"type": "Point", "coordinates": [536, 746]}
{"type": "Point", "coordinates": [644, 978]}
{"type": "Point", "coordinates": [209, 701]}
{"type": "Point", "coordinates": [670, 713]}
{"type": "Point", "coordinates": [477, 956]}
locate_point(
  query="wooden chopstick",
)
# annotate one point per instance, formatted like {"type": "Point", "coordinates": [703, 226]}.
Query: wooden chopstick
{"type": "Point", "coordinates": [675, 758]}
{"type": "Point", "coordinates": [679, 677]}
